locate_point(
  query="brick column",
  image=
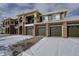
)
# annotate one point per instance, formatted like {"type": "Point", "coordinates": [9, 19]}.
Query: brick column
{"type": "Point", "coordinates": [22, 30]}
{"type": "Point", "coordinates": [18, 30]}
{"type": "Point", "coordinates": [35, 26]}
{"type": "Point", "coordinates": [47, 32]}
{"type": "Point", "coordinates": [34, 30]}
{"type": "Point", "coordinates": [35, 17]}
{"type": "Point", "coordinates": [18, 25]}
{"type": "Point", "coordinates": [25, 21]}
{"type": "Point", "coordinates": [64, 29]}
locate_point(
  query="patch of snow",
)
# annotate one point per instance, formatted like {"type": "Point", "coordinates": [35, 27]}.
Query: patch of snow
{"type": "Point", "coordinates": [4, 51]}
{"type": "Point", "coordinates": [52, 46]}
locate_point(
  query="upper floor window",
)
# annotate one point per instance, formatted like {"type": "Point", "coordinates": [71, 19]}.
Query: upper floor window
{"type": "Point", "coordinates": [53, 17]}
{"type": "Point", "coordinates": [11, 22]}
{"type": "Point", "coordinates": [3, 24]}
{"type": "Point", "coordinates": [62, 15]}
{"type": "Point", "coordinates": [44, 18]}
{"type": "Point", "coordinates": [56, 17]}
{"type": "Point", "coordinates": [16, 22]}
{"type": "Point", "coordinates": [49, 17]}
{"type": "Point", "coordinates": [8, 22]}
{"type": "Point", "coordinates": [20, 19]}
{"type": "Point", "coordinates": [41, 19]}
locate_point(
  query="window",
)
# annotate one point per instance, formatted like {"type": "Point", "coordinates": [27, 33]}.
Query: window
{"type": "Point", "coordinates": [11, 22]}
{"type": "Point", "coordinates": [49, 17]}
{"type": "Point", "coordinates": [53, 17]}
{"type": "Point", "coordinates": [40, 18]}
{"type": "Point", "coordinates": [20, 20]}
{"type": "Point", "coordinates": [8, 22]}
{"type": "Point", "coordinates": [45, 18]}
{"type": "Point", "coordinates": [56, 17]}
{"type": "Point", "coordinates": [3, 24]}
{"type": "Point", "coordinates": [16, 23]}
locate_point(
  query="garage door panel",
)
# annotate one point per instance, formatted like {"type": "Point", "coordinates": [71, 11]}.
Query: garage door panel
{"type": "Point", "coordinates": [29, 30]}
{"type": "Point", "coordinates": [55, 31]}
{"type": "Point", "coordinates": [73, 31]}
{"type": "Point", "coordinates": [41, 31]}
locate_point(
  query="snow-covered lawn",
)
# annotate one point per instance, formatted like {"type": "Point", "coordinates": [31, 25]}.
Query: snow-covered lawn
{"type": "Point", "coordinates": [54, 46]}
{"type": "Point", "coordinates": [7, 41]}
{"type": "Point", "coordinates": [3, 35]}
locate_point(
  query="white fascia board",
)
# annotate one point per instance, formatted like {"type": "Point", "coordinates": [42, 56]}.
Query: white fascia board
{"type": "Point", "coordinates": [29, 25]}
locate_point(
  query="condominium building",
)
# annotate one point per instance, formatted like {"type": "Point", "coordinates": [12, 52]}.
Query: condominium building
{"type": "Point", "coordinates": [38, 24]}
{"type": "Point", "coordinates": [9, 26]}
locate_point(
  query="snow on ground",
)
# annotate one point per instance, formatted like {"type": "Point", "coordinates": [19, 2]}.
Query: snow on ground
{"type": "Point", "coordinates": [3, 35]}
{"type": "Point", "coordinates": [6, 41]}
{"type": "Point", "coordinates": [54, 46]}
{"type": "Point", "coordinates": [9, 40]}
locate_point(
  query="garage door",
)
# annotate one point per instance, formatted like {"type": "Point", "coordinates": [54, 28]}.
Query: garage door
{"type": "Point", "coordinates": [29, 30]}
{"type": "Point", "coordinates": [73, 31]}
{"type": "Point", "coordinates": [41, 31]}
{"type": "Point", "coordinates": [56, 31]}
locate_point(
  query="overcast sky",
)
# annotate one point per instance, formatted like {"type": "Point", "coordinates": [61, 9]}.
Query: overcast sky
{"type": "Point", "coordinates": [11, 9]}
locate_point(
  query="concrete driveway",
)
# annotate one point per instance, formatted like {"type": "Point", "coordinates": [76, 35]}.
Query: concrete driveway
{"type": "Point", "coordinates": [54, 46]}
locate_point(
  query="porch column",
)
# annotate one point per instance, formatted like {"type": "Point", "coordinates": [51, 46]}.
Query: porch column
{"type": "Point", "coordinates": [64, 30]}
{"type": "Point", "coordinates": [47, 32]}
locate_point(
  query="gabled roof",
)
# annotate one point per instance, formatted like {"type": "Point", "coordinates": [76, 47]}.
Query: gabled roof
{"type": "Point", "coordinates": [7, 19]}
{"type": "Point", "coordinates": [55, 12]}
{"type": "Point", "coordinates": [32, 11]}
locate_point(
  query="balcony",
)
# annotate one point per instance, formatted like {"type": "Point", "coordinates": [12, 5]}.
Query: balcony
{"type": "Point", "coordinates": [29, 19]}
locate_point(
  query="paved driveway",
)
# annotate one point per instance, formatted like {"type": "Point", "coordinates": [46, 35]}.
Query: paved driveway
{"type": "Point", "coordinates": [54, 46]}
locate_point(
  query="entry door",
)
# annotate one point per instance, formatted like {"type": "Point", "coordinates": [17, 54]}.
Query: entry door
{"type": "Point", "coordinates": [73, 31]}
{"type": "Point", "coordinates": [56, 31]}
